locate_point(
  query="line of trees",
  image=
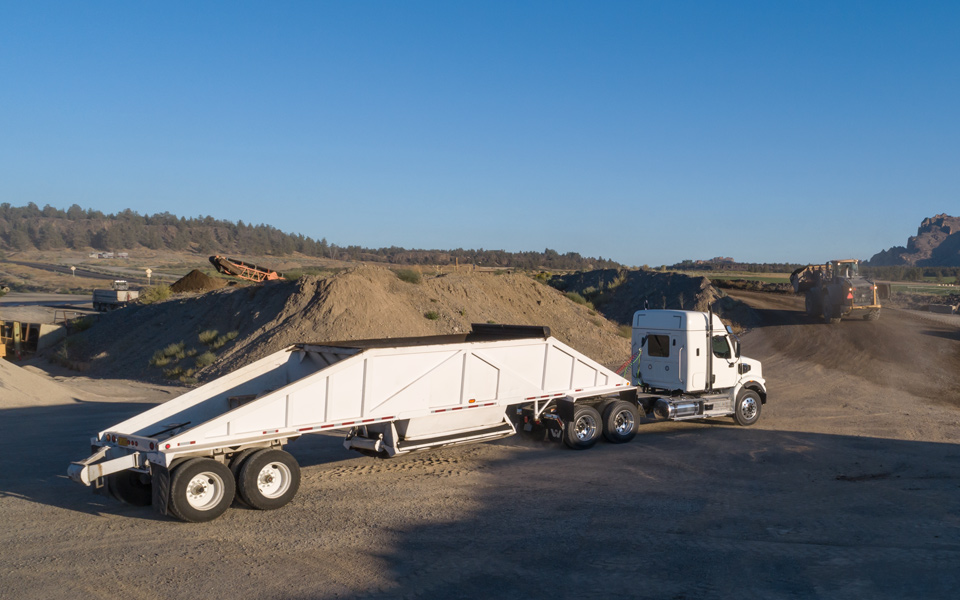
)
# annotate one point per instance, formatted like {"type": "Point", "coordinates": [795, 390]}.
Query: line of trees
{"type": "Point", "coordinates": [32, 228]}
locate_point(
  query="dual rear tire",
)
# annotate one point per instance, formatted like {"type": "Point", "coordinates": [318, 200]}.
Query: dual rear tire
{"type": "Point", "coordinates": [618, 424]}
{"type": "Point", "coordinates": [202, 489]}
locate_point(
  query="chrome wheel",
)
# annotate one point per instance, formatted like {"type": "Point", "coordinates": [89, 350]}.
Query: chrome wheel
{"type": "Point", "coordinates": [586, 427]}
{"type": "Point", "coordinates": [748, 408]}
{"type": "Point", "coordinates": [623, 423]}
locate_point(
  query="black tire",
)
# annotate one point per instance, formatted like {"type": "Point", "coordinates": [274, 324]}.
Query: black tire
{"type": "Point", "coordinates": [747, 411]}
{"type": "Point", "coordinates": [872, 315]}
{"type": "Point", "coordinates": [830, 313]}
{"type": "Point", "coordinates": [236, 463]}
{"type": "Point", "coordinates": [269, 479]}
{"type": "Point", "coordinates": [584, 430]}
{"type": "Point", "coordinates": [201, 490]}
{"type": "Point", "coordinates": [131, 487]}
{"type": "Point", "coordinates": [620, 422]}
{"type": "Point", "coordinates": [812, 304]}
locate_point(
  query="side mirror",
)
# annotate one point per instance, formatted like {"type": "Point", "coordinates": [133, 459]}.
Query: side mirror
{"type": "Point", "coordinates": [729, 330]}
{"type": "Point", "coordinates": [736, 348]}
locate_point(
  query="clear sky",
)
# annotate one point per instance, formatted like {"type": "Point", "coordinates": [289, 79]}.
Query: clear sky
{"type": "Point", "coordinates": [646, 132]}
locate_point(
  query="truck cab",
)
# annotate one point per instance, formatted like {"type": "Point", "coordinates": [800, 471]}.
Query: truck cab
{"type": "Point", "coordinates": [692, 356]}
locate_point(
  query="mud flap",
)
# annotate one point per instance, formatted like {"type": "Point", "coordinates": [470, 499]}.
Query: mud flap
{"type": "Point", "coordinates": [160, 484]}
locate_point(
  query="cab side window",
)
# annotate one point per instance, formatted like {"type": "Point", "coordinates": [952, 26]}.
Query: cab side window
{"type": "Point", "coordinates": [721, 347]}
{"type": "Point", "coordinates": [658, 346]}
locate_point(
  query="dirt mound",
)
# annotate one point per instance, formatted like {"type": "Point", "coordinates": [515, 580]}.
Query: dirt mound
{"type": "Point", "coordinates": [19, 387]}
{"type": "Point", "coordinates": [365, 302]}
{"type": "Point", "coordinates": [195, 281]}
{"type": "Point", "coordinates": [617, 294]}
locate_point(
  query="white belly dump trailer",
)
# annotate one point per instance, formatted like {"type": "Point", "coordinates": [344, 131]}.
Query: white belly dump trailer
{"type": "Point", "coordinates": [191, 456]}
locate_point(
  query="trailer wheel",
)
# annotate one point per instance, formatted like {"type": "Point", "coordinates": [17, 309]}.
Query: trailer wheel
{"type": "Point", "coordinates": [748, 408]}
{"type": "Point", "coordinates": [201, 490]}
{"type": "Point", "coordinates": [236, 463]}
{"type": "Point", "coordinates": [620, 422]}
{"type": "Point", "coordinates": [584, 429]}
{"type": "Point", "coordinates": [130, 488]}
{"type": "Point", "coordinates": [269, 479]}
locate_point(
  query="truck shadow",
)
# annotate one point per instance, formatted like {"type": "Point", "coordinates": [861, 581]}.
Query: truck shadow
{"type": "Point", "coordinates": [781, 514]}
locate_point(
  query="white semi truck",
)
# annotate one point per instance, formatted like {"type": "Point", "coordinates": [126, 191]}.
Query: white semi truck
{"type": "Point", "coordinates": [192, 456]}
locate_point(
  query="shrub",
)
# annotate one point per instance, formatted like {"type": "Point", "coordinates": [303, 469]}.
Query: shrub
{"type": "Point", "coordinates": [222, 340]}
{"type": "Point", "coordinates": [81, 324]}
{"type": "Point", "coordinates": [173, 372]}
{"type": "Point", "coordinates": [159, 359]}
{"type": "Point", "coordinates": [575, 297]}
{"type": "Point", "coordinates": [432, 315]}
{"type": "Point", "coordinates": [191, 352]}
{"type": "Point", "coordinates": [208, 336]}
{"type": "Point", "coordinates": [625, 331]}
{"type": "Point", "coordinates": [409, 275]}
{"type": "Point", "coordinates": [154, 293]}
{"type": "Point", "coordinates": [174, 351]}
{"type": "Point", "coordinates": [205, 359]}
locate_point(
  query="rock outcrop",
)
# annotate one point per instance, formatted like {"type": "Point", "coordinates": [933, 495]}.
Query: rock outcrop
{"type": "Point", "coordinates": [937, 244]}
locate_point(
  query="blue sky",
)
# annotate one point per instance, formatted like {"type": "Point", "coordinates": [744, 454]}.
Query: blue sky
{"type": "Point", "coordinates": [646, 132]}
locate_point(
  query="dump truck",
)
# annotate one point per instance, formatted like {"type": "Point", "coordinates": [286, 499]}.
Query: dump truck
{"type": "Point", "coordinates": [836, 290]}
{"type": "Point", "coordinates": [190, 457]}
{"type": "Point", "coordinates": [118, 296]}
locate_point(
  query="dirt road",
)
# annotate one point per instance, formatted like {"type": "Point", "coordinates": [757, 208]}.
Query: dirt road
{"type": "Point", "coordinates": [848, 487]}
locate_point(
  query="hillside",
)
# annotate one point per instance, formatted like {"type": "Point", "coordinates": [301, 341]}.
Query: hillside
{"type": "Point", "coordinates": [30, 228]}
{"type": "Point", "coordinates": [937, 244]}
{"type": "Point", "coordinates": [361, 303]}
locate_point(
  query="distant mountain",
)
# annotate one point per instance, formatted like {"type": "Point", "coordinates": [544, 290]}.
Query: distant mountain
{"type": "Point", "coordinates": [25, 228]}
{"type": "Point", "coordinates": [937, 244]}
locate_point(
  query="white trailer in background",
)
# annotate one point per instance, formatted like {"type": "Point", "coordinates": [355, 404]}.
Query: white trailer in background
{"type": "Point", "coordinates": [192, 455]}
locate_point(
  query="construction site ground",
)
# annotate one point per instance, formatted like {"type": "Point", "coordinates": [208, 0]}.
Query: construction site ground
{"type": "Point", "coordinates": [848, 487]}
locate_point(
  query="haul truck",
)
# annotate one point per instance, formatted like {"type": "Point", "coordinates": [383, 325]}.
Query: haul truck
{"type": "Point", "coordinates": [192, 456]}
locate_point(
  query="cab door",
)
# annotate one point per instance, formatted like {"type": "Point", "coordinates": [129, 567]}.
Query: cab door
{"type": "Point", "coordinates": [725, 372]}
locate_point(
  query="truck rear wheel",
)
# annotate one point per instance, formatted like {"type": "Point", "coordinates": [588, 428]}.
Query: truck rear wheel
{"type": "Point", "coordinates": [620, 421]}
{"type": "Point", "coordinates": [201, 490]}
{"type": "Point", "coordinates": [748, 408]}
{"type": "Point", "coordinates": [584, 430]}
{"type": "Point", "coordinates": [269, 479]}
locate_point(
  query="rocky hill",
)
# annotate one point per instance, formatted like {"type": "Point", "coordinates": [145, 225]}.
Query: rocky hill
{"type": "Point", "coordinates": [937, 244]}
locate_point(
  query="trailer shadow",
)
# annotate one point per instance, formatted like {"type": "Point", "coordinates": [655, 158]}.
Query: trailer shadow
{"type": "Point", "coordinates": [705, 512]}
{"type": "Point", "coordinates": [38, 443]}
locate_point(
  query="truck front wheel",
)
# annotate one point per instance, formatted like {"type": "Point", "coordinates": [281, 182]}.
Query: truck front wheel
{"type": "Point", "coordinates": [201, 490]}
{"type": "Point", "coordinates": [620, 422]}
{"type": "Point", "coordinates": [584, 430]}
{"type": "Point", "coordinates": [269, 479]}
{"type": "Point", "coordinates": [748, 408]}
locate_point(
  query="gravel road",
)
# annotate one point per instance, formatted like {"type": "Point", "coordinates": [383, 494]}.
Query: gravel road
{"type": "Point", "coordinates": [848, 487]}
